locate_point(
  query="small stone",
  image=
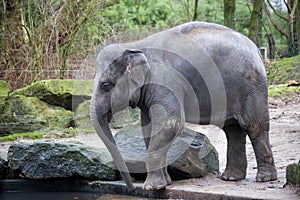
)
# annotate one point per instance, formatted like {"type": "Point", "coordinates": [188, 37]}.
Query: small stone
{"type": "Point", "coordinates": [293, 174]}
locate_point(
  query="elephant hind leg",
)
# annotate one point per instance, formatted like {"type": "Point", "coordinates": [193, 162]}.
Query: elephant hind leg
{"type": "Point", "coordinates": [265, 162]}
{"type": "Point", "coordinates": [236, 166]}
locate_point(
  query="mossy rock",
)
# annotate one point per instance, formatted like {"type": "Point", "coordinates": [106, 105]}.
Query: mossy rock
{"type": "Point", "coordinates": [3, 90]}
{"type": "Point", "coordinates": [119, 120]}
{"type": "Point", "coordinates": [25, 114]}
{"type": "Point", "coordinates": [293, 174]}
{"type": "Point", "coordinates": [65, 93]}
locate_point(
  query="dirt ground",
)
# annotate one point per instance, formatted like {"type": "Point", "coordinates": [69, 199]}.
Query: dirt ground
{"type": "Point", "coordinates": [284, 138]}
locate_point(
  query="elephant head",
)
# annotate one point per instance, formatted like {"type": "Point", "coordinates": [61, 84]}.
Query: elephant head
{"type": "Point", "coordinates": [118, 87]}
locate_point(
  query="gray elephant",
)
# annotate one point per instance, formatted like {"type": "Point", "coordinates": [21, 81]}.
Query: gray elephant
{"type": "Point", "coordinates": [196, 72]}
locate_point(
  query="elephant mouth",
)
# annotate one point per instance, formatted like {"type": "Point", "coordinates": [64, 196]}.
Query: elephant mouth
{"type": "Point", "coordinates": [109, 116]}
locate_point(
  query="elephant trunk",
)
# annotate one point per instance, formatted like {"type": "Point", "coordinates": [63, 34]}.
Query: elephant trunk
{"type": "Point", "coordinates": [100, 123]}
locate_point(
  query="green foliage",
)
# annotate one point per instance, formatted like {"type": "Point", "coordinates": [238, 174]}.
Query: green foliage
{"type": "Point", "coordinates": [57, 32]}
{"type": "Point", "coordinates": [279, 72]}
{"type": "Point", "coordinates": [143, 13]}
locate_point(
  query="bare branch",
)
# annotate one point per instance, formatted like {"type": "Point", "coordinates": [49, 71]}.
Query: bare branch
{"type": "Point", "coordinates": [274, 23]}
{"type": "Point", "coordinates": [287, 4]}
{"type": "Point", "coordinates": [274, 10]}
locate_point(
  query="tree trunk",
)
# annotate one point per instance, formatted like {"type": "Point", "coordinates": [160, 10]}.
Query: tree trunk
{"type": "Point", "coordinates": [195, 10]}
{"type": "Point", "coordinates": [255, 29]}
{"type": "Point", "coordinates": [229, 13]}
{"type": "Point", "coordinates": [293, 48]}
{"type": "Point", "coordinates": [297, 25]}
{"type": "Point", "coordinates": [271, 46]}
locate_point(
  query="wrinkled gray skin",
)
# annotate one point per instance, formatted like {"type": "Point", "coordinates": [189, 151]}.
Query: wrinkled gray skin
{"type": "Point", "coordinates": [197, 72]}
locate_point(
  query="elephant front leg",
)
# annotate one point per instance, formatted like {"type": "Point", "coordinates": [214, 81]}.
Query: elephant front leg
{"type": "Point", "coordinates": [157, 177]}
{"type": "Point", "coordinates": [156, 160]}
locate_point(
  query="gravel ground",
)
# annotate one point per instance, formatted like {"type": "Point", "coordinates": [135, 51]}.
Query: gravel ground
{"type": "Point", "coordinates": [284, 138]}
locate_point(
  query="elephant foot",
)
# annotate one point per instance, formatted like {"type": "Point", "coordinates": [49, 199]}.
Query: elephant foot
{"type": "Point", "coordinates": [155, 181]}
{"type": "Point", "coordinates": [233, 174]}
{"type": "Point", "coordinates": [266, 174]}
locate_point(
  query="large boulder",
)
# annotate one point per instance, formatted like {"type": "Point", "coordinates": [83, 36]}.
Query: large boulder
{"type": "Point", "coordinates": [191, 154]}
{"type": "Point", "coordinates": [3, 90]}
{"type": "Point", "coordinates": [42, 160]}
{"type": "Point", "coordinates": [65, 93]}
{"type": "Point", "coordinates": [119, 120]}
{"type": "Point", "coordinates": [25, 114]}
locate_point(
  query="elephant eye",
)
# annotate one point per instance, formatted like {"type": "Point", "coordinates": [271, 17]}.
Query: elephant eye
{"type": "Point", "coordinates": [106, 87]}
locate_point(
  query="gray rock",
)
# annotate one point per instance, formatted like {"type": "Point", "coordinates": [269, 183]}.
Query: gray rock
{"type": "Point", "coordinates": [42, 160]}
{"type": "Point", "coordinates": [191, 154]}
{"type": "Point", "coordinates": [293, 174]}
{"type": "Point", "coordinates": [65, 93]}
{"type": "Point", "coordinates": [82, 115]}
{"type": "Point", "coordinates": [119, 120]}
{"type": "Point", "coordinates": [125, 117]}
{"type": "Point", "coordinates": [26, 114]}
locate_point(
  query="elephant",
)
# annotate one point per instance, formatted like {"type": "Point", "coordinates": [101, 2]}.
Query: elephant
{"type": "Point", "coordinates": [196, 72]}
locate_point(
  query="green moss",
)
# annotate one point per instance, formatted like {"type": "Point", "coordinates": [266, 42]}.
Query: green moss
{"type": "Point", "coordinates": [279, 72]}
{"type": "Point", "coordinates": [29, 135]}
{"type": "Point", "coordinates": [3, 91]}
{"type": "Point", "coordinates": [282, 91]}
{"type": "Point", "coordinates": [54, 132]}
{"type": "Point", "coordinates": [3, 88]}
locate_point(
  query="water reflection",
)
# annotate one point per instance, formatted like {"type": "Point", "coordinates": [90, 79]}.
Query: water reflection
{"type": "Point", "coordinates": [63, 196]}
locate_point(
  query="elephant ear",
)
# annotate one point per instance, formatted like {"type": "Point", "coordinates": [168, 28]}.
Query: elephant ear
{"type": "Point", "coordinates": [137, 66]}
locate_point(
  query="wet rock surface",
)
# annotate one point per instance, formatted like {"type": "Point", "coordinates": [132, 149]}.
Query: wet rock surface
{"type": "Point", "coordinates": [44, 160]}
